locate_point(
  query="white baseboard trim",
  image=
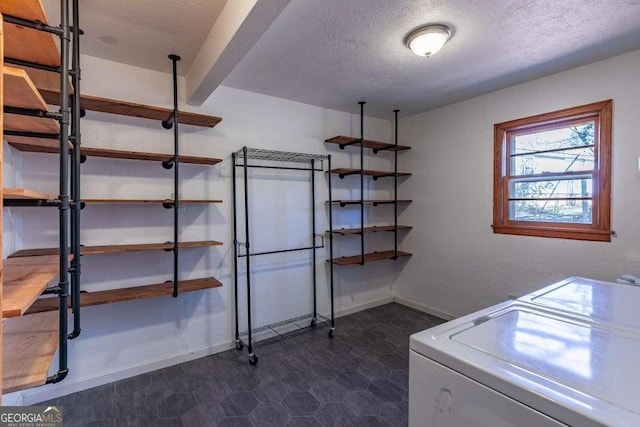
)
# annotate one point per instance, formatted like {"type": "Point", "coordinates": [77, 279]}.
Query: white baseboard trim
{"type": "Point", "coordinates": [70, 385]}
{"type": "Point", "coordinates": [365, 306]}
{"type": "Point", "coordinates": [424, 308]}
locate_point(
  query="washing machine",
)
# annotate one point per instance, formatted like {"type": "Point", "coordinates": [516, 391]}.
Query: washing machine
{"type": "Point", "coordinates": [525, 364]}
{"type": "Point", "coordinates": [604, 302]}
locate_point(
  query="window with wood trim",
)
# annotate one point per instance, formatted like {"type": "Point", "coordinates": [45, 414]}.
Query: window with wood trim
{"type": "Point", "coordinates": [552, 174]}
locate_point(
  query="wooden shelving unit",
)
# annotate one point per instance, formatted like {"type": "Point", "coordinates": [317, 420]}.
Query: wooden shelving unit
{"type": "Point", "coordinates": [374, 229]}
{"type": "Point", "coordinates": [361, 143]}
{"type": "Point", "coordinates": [24, 280]}
{"type": "Point", "coordinates": [345, 141]}
{"type": "Point", "coordinates": [368, 257]}
{"type": "Point", "coordinates": [30, 344]}
{"type": "Point", "coordinates": [375, 174]}
{"type": "Point", "coordinates": [115, 249]}
{"type": "Point", "coordinates": [34, 330]}
{"type": "Point", "coordinates": [33, 145]}
{"type": "Point", "coordinates": [128, 294]}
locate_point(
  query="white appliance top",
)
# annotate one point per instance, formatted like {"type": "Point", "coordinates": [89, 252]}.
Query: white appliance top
{"type": "Point", "coordinates": [607, 302]}
{"type": "Point", "coordinates": [577, 371]}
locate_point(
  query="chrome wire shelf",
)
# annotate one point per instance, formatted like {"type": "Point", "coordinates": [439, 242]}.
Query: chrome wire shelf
{"type": "Point", "coordinates": [278, 156]}
{"type": "Point", "coordinates": [286, 329]}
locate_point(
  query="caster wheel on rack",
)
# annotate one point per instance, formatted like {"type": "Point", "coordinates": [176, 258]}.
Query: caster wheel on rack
{"type": "Point", "coordinates": [239, 345]}
{"type": "Point", "coordinates": [331, 332]}
{"type": "Point", "coordinates": [313, 323]}
{"type": "Point", "coordinates": [253, 359]}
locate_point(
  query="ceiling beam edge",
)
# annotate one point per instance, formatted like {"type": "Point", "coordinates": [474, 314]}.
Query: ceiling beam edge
{"type": "Point", "coordinates": [239, 26]}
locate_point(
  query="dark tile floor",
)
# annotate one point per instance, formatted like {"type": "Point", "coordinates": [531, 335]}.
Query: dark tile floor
{"type": "Point", "coordinates": [359, 378]}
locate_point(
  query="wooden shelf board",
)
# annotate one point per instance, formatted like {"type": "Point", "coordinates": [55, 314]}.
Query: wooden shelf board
{"type": "Point", "coordinates": [24, 194]}
{"type": "Point", "coordinates": [24, 281]}
{"type": "Point", "coordinates": [113, 249]}
{"type": "Point", "coordinates": [30, 124]}
{"type": "Point", "coordinates": [129, 294]}
{"type": "Point", "coordinates": [374, 201]}
{"type": "Point", "coordinates": [19, 91]}
{"type": "Point", "coordinates": [29, 346]}
{"type": "Point", "coordinates": [144, 201]}
{"type": "Point", "coordinates": [374, 145]}
{"type": "Point", "coordinates": [25, 9]}
{"type": "Point", "coordinates": [46, 80]}
{"type": "Point", "coordinates": [124, 108]}
{"type": "Point", "coordinates": [370, 257]}
{"type": "Point", "coordinates": [367, 172]}
{"type": "Point", "coordinates": [25, 43]}
{"type": "Point", "coordinates": [34, 145]}
{"type": "Point", "coordinates": [374, 229]}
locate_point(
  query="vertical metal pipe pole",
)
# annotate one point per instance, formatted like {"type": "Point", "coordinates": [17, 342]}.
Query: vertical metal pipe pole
{"type": "Point", "coordinates": [313, 235]}
{"type": "Point", "coordinates": [63, 282]}
{"type": "Point", "coordinates": [395, 190]}
{"type": "Point", "coordinates": [176, 176]}
{"type": "Point", "coordinates": [361, 182]}
{"type": "Point", "coordinates": [333, 323]}
{"type": "Point", "coordinates": [75, 173]}
{"type": "Point", "coordinates": [235, 248]}
{"type": "Point", "coordinates": [248, 248]}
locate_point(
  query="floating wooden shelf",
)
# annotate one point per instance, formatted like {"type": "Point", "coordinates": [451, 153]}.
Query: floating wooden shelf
{"type": "Point", "coordinates": [27, 44]}
{"type": "Point", "coordinates": [20, 92]}
{"type": "Point", "coordinates": [124, 108]}
{"type": "Point", "coordinates": [144, 201]}
{"type": "Point", "coordinates": [367, 143]}
{"type": "Point", "coordinates": [374, 202]}
{"type": "Point", "coordinates": [374, 229]}
{"type": "Point", "coordinates": [342, 172]}
{"type": "Point", "coordinates": [33, 145]}
{"type": "Point", "coordinates": [114, 249]}
{"type": "Point", "coordinates": [370, 257]}
{"type": "Point", "coordinates": [29, 346]}
{"type": "Point", "coordinates": [24, 281]}
{"type": "Point", "coordinates": [128, 294]}
{"type": "Point", "coordinates": [24, 194]}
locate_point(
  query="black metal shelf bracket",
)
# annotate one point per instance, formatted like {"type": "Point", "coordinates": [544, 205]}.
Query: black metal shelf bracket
{"type": "Point", "coordinates": [76, 160]}
{"type": "Point", "coordinates": [362, 103]}
{"type": "Point", "coordinates": [176, 173]}
{"type": "Point", "coordinates": [395, 188]}
{"type": "Point", "coordinates": [63, 200]}
{"type": "Point", "coordinates": [168, 164]}
{"type": "Point", "coordinates": [43, 114]}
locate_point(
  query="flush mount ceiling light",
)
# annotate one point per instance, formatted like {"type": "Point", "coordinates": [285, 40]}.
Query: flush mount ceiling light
{"type": "Point", "coordinates": [428, 39]}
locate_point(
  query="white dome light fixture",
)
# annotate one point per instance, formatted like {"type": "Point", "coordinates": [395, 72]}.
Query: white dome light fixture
{"type": "Point", "coordinates": [428, 39]}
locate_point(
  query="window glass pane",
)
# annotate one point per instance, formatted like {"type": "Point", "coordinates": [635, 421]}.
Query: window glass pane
{"type": "Point", "coordinates": [565, 137]}
{"type": "Point", "coordinates": [566, 211]}
{"type": "Point", "coordinates": [551, 189]}
{"type": "Point", "coordinates": [571, 160]}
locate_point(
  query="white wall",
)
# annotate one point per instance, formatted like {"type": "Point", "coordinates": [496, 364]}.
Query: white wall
{"type": "Point", "coordinates": [459, 265]}
{"type": "Point", "coordinates": [120, 340]}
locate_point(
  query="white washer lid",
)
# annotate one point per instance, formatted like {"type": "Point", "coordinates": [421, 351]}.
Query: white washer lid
{"type": "Point", "coordinates": [600, 301]}
{"type": "Point", "coordinates": [578, 372]}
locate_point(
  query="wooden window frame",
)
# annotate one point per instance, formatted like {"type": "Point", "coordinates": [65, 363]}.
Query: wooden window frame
{"type": "Point", "coordinates": [600, 229]}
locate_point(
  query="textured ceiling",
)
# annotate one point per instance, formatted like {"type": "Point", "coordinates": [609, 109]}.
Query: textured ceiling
{"type": "Point", "coordinates": [333, 53]}
{"type": "Point", "coordinates": [143, 32]}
